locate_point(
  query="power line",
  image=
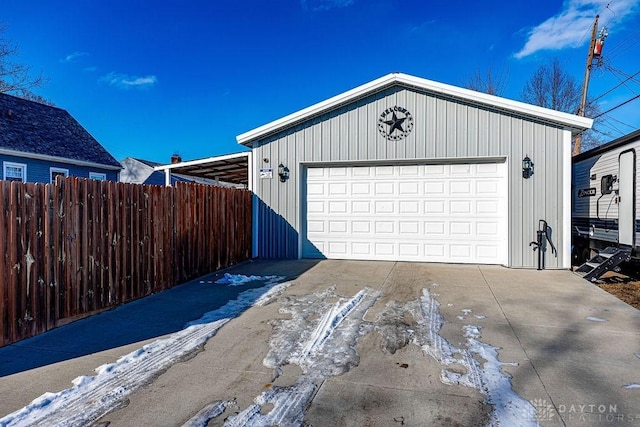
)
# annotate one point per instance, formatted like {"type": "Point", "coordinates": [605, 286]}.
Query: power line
{"type": "Point", "coordinates": [611, 69]}
{"type": "Point", "coordinates": [624, 45]}
{"type": "Point", "coordinates": [615, 87]}
{"type": "Point", "coordinates": [621, 122]}
{"type": "Point", "coordinates": [617, 106]}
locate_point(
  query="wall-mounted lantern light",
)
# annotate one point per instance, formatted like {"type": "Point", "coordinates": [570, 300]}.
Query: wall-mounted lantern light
{"type": "Point", "coordinates": [283, 172]}
{"type": "Point", "coordinates": [527, 167]}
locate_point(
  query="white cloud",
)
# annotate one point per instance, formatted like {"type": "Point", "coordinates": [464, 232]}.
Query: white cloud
{"type": "Point", "coordinates": [125, 81]}
{"type": "Point", "coordinates": [572, 26]}
{"type": "Point", "coordinates": [317, 5]}
{"type": "Point", "coordinates": [72, 57]}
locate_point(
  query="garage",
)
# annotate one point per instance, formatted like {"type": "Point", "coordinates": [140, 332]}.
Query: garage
{"type": "Point", "coordinates": [407, 169]}
{"type": "Point", "coordinates": [430, 213]}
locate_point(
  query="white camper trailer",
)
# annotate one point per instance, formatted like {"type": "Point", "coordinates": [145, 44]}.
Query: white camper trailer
{"type": "Point", "coordinates": [604, 206]}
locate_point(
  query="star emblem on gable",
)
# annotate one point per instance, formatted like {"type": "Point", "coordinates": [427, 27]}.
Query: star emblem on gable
{"type": "Point", "coordinates": [395, 123]}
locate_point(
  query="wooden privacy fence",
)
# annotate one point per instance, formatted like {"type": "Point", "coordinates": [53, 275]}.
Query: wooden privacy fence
{"type": "Point", "coordinates": [79, 246]}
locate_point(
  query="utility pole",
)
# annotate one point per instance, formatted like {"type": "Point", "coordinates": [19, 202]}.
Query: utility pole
{"type": "Point", "coordinates": [595, 50]}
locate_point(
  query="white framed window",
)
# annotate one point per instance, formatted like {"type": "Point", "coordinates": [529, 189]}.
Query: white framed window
{"type": "Point", "coordinates": [55, 172]}
{"type": "Point", "coordinates": [98, 176]}
{"type": "Point", "coordinates": [14, 171]}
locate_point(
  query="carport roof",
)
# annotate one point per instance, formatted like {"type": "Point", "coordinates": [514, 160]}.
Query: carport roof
{"type": "Point", "coordinates": [232, 168]}
{"type": "Point", "coordinates": [574, 123]}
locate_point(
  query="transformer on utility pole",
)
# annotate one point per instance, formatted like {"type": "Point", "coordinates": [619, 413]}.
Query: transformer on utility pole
{"type": "Point", "coordinates": [595, 53]}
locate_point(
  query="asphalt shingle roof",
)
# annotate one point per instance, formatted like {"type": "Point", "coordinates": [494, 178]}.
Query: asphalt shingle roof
{"type": "Point", "coordinates": [31, 127]}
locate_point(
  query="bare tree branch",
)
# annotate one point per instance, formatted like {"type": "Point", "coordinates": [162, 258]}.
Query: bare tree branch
{"type": "Point", "coordinates": [552, 87]}
{"type": "Point", "coordinates": [15, 78]}
{"type": "Point", "coordinates": [488, 81]}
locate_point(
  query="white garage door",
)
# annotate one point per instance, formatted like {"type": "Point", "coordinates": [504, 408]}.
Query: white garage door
{"type": "Point", "coordinates": [431, 213]}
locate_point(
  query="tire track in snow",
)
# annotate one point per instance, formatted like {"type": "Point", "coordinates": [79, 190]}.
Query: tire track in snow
{"type": "Point", "coordinates": [94, 396]}
{"type": "Point", "coordinates": [328, 349]}
{"type": "Point", "coordinates": [328, 323]}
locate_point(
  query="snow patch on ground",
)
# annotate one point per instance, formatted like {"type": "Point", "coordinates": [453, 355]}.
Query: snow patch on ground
{"type": "Point", "coordinates": [209, 412]}
{"type": "Point", "coordinates": [471, 331]}
{"type": "Point", "coordinates": [631, 386]}
{"type": "Point", "coordinates": [509, 408]}
{"type": "Point", "coordinates": [595, 319]}
{"type": "Point", "coordinates": [289, 404]}
{"type": "Point", "coordinates": [321, 338]}
{"type": "Point", "coordinates": [241, 279]}
{"type": "Point", "coordinates": [91, 397]}
{"type": "Point", "coordinates": [251, 297]}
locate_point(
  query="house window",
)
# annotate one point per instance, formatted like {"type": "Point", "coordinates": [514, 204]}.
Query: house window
{"type": "Point", "coordinates": [56, 172]}
{"type": "Point", "coordinates": [14, 171]}
{"type": "Point", "coordinates": [98, 176]}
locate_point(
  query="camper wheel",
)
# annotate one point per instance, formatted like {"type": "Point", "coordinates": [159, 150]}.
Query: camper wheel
{"type": "Point", "coordinates": [581, 252]}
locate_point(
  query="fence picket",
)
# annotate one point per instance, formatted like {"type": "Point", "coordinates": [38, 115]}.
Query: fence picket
{"type": "Point", "coordinates": [78, 246]}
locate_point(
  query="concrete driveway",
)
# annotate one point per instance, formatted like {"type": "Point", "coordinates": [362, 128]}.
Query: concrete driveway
{"type": "Point", "coordinates": [359, 343]}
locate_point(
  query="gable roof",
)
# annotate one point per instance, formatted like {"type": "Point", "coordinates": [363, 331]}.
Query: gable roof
{"type": "Point", "coordinates": [574, 123]}
{"type": "Point", "coordinates": [34, 130]}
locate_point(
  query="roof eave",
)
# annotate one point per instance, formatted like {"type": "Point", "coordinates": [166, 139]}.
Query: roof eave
{"type": "Point", "coordinates": [28, 155]}
{"type": "Point", "coordinates": [574, 123]}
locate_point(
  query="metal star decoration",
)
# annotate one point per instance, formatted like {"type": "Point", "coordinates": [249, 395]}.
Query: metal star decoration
{"type": "Point", "coordinates": [395, 123]}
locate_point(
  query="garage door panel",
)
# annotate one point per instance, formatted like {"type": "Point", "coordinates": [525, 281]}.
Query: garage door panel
{"type": "Point", "coordinates": [409, 228]}
{"type": "Point", "coordinates": [316, 189]}
{"type": "Point", "coordinates": [337, 172]}
{"type": "Point", "coordinates": [361, 207]}
{"type": "Point", "coordinates": [460, 229]}
{"type": "Point", "coordinates": [361, 227]}
{"type": "Point", "coordinates": [361, 249]}
{"type": "Point", "coordinates": [361, 172]}
{"type": "Point", "coordinates": [487, 187]}
{"type": "Point", "coordinates": [316, 207]}
{"type": "Point", "coordinates": [460, 188]}
{"type": "Point", "coordinates": [435, 206]}
{"type": "Point", "coordinates": [338, 227]}
{"type": "Point", "coordinates": [434, 170]}
{"type": "Point", "coordinates": [460, 207]}
{"type": "Point", "coordinates": [436, 213]}
{"type": "Point", "coordinates": [409, 249]}
{"type": "Point", "coordinates": [384, 207]}
{"type": "Point", "coordinates": [409, 188]}
{"type": "Point", "coordinates": [409, 207]}
{"type": "Point", "coordinates": [436, 228]}
{"type": "Point", "coordinates": [338, 189]}
{"type": "Point", "coordinates": [316, 226]}
{"type": "Point", "coordinates": [384, 188]}
{"type": "Point", "coordinates": [434, 188]}
{"type": "Point", "coordinates": [337, 207]}
{"type": "Point", "coordinates": [361, 189]}
{"type": "Point", "coordinates": [409, 171]}
{"type": "Point", "coordinates": [488, 169]}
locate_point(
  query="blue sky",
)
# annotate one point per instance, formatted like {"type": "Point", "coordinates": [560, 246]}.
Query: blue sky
{"type": "Point", "coordinates": [148, 79]}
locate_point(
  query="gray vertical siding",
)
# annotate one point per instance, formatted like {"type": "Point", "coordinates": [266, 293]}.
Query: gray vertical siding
{"type": "Point", "coordinates": [444, 128]}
